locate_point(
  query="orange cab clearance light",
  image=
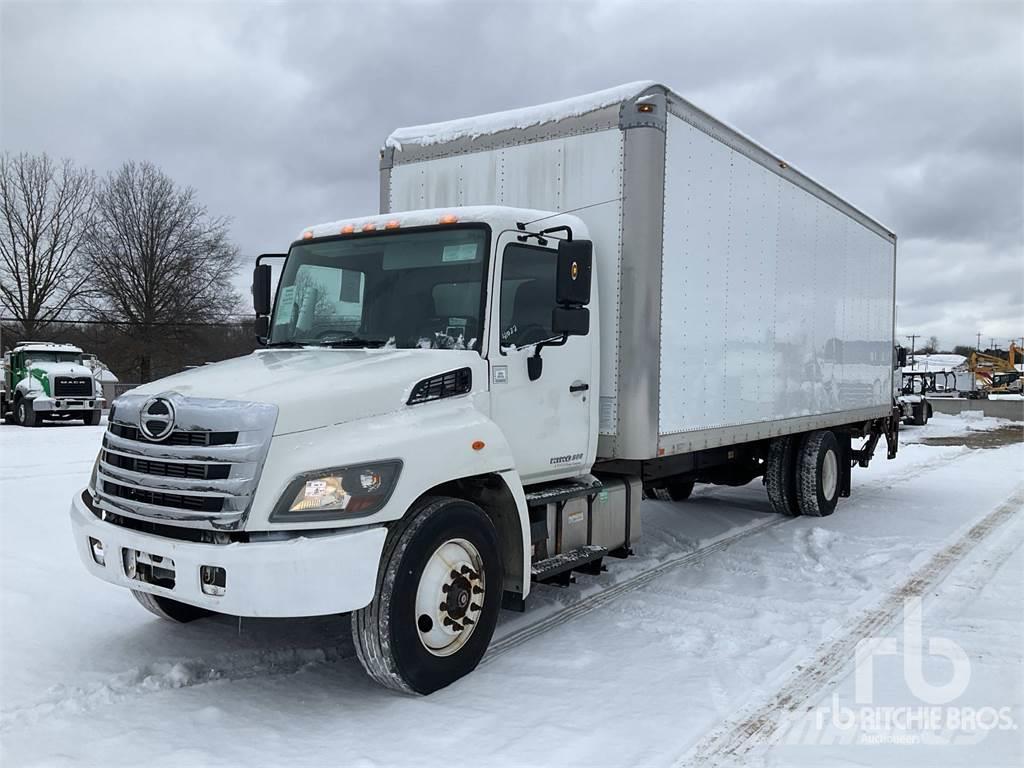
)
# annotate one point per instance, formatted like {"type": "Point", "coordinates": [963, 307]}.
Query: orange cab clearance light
{"type": "Point", "coordinates": [369, 226]}
{"type": "Point", "coordinates": [348, 229]}
{"type": "Point", "coordinates": [448, 218]}
{"type": "Point", "coordinates": [393, 224]}
{"type": "Point", "coordinates": [307, 235]}
{"type": "Point", "coordinates": [478, 445]}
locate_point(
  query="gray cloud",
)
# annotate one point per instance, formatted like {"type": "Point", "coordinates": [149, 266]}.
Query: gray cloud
{"type": "Point", "coordinates": [912, 111]}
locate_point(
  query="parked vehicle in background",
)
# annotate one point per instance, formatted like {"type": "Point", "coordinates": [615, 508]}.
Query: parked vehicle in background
{"type": "Point", "coordinates": [43, 380]}
{"type": "Point", "coordinates": [457, 401]}
{"type": "Point", "coordinates": [913, 398]}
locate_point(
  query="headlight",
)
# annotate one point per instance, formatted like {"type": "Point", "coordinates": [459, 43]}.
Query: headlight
{"type": "Point", "coordinates": [328, 494]}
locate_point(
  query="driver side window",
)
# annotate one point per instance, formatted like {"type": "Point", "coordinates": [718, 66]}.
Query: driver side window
{"type": "Point", "coordinates": [527, 294]}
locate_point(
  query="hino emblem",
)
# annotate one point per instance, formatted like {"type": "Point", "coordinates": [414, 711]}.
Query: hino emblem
{"type": "Point", "coordinates": [156, 420]}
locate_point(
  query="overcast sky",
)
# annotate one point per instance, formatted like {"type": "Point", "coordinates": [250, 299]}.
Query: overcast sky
{"type": "Point", "coordinates": [913, 111]}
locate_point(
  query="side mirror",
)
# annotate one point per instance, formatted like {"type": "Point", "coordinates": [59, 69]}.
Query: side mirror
{"type": "Point", "coordinates": [901, 357]}
{"type": "Point", "coordinates": [261, 289]}
{"type": "Point", "coordinates": [572, 281]}
{"type": "Point", "coordinates": [570, 321]}
{"type": "Point", "coordinates": [262, 326]}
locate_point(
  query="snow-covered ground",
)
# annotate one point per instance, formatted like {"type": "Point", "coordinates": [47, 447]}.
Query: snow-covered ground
{"type": "Point", "coordinates": [740, 649]}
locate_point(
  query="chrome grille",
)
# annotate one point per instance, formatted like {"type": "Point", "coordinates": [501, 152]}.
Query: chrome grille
{"type": "Point", "coordinates": [72, 386]}
{"type": "Point", "coordinates": [177, 438]}
{"type": "Point", "coordinates": [202, 475]}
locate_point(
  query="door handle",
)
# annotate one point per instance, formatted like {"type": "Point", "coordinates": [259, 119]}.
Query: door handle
{"type": "Point", "coordinates": [578, 386]}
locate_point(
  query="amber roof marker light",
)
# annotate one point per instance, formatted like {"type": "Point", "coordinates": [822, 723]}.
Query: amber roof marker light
{"type": "Point", "coordinates": [448, 218]}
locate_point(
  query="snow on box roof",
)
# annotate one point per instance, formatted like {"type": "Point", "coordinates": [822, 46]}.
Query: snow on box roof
{"type": "Point", "coordinates": [526, 117]}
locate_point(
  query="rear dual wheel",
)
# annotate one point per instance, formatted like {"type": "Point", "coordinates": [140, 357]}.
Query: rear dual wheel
{"type": "Point", "coordinates": [802, 474]}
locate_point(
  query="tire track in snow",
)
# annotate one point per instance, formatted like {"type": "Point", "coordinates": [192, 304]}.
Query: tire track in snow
{"type": "Point", "coordinates": [731, 743]}
{"type": "Point", "coordinates": [591, 602]}
{"type": "Point", "coordinates": [265, 663]}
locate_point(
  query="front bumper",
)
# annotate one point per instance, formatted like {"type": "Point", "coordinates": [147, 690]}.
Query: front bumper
{"type": "Point", "coordinates": [308, 575]}
{"type": "Point", "coordinates": [64, 404]}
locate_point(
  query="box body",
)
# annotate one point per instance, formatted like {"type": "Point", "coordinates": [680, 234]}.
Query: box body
{"type": "Point", "coordinates": [740, 299]}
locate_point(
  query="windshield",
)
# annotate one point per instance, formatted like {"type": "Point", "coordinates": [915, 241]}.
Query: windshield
{"type": "Point", "coordinates": [53, 357]}
{"type": "Point", "coordinates": [403, 289]}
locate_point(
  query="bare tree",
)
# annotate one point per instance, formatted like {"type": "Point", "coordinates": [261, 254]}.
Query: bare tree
{"type": "Point", "coordinates": [159, 260]}
{"type": "Point", "coordinates": [46, 214]}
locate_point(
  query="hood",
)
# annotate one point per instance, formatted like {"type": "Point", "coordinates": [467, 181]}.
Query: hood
{"type": "Point", "coordinates": [315, 387]}
{"type": "Point", "coordinates": [52, 369]}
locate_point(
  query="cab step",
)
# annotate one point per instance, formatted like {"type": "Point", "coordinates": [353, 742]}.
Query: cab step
{"type": "Point", "coordinates": [552, 493]}
{"type": "Point", "coordinates": [558, 569]}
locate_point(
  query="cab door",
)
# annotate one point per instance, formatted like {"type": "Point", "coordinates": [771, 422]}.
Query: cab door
{"type": "Point", "coordinates": [548, 421]}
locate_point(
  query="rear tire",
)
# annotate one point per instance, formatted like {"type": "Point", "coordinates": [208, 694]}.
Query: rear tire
{"type": "Point", "coordinates": [673, 489]}
{"type": "Point", "coordinates": [170, 610]}
{"type": "Point", "coordinates": [818, 474]}
{"type": "Point", "coordinates": [780, 475]}
{"type": "Point", "coordinates": [679, 490]}
{"type": "Point", "coordinates": [400, 636]}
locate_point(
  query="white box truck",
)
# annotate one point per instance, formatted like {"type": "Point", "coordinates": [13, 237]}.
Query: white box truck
{"type": "Point", "coordinates": [557, 309]}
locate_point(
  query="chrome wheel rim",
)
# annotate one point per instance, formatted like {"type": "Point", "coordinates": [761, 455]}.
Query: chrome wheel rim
{"type": "Point", "coordinates": [829, 475]}
{"type": "Point", "coordinates": [450, 597]}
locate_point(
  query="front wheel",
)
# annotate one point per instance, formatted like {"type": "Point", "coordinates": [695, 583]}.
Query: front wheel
{"type": "Point", "coordinates": [92, 418]}
{"type": "Point", "coordinates": [437, 599]}
{"type": "Point", "coordinates": [24, 415]}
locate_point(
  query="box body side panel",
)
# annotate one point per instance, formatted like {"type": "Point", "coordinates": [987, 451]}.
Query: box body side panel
{"type": "Point", "coordinates": [775, 306]}
{"type": "Point", "coordinates": [557, 174]}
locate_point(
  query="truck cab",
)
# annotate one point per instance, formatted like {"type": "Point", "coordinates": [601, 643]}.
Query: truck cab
{"type": "Point", "coordinates": [46, 381]}
{"type": "Point", "coordinates": [417, 368]}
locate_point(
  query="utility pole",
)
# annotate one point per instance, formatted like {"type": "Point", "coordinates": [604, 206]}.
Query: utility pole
{"type": "Point", "coordinates": [913, 338]}
{"type": "Point", "coordinates": [992, 343]}
{"type": "Point", "coordinates": [977, 347]}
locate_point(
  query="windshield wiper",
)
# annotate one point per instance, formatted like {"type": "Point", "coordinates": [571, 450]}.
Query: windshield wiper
{"type": "Point", "coordinates": [289, 344]}
{"type": "Point", "coordinates": [353, 341]}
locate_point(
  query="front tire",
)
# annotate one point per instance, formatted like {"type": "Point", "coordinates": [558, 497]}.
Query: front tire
{"type": "Point", "coordinates": [818, 474]}
{"type": "Point", "coordinates": [24, 415]}
{"type": "Point", "coordinates": [170, 610]}
{"type": "Point", "coordinates": [437, 599]}
{"type": "Point", "coordinates": [92, 418]}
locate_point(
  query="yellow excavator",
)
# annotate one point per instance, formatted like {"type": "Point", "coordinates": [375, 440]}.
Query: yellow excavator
{"type": "Point", "coordinates": [998, 376]}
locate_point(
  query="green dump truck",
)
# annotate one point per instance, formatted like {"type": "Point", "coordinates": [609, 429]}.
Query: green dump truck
{"type": "Point", "coordinates": [42, 380]}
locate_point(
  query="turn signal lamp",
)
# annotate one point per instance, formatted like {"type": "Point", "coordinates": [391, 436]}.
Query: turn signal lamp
{"type": "Point", "coordinates": [98, 556]}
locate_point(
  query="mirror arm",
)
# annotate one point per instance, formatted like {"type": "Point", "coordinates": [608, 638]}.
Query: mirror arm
{"type": "Point", "coordinates": [534, 363]}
